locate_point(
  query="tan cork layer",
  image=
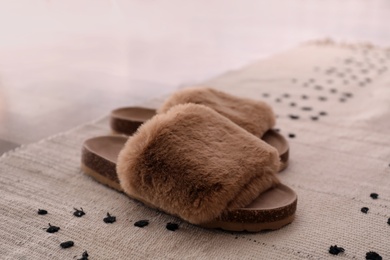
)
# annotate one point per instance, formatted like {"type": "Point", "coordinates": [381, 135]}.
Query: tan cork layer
{"type": "Point", "coordinates": [272, 210]}
{"type": "Point", "coordinates": [126, 121]}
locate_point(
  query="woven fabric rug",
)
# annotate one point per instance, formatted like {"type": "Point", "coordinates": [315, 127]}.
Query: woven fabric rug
{"type": "Point", "coordinates": [333, 105]}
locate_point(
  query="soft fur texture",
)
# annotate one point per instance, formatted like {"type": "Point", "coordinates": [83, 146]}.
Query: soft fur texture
{"type": "Point", "coordinates": [254, 116]}
{"type": "Point", "coordinates": [194, 163]}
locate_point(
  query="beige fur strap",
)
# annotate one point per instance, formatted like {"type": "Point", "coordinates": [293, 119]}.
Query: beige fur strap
{"type": "Point", "coordinates": [253, 115]}
{"type": "Point", "coordinates": [194, 163]}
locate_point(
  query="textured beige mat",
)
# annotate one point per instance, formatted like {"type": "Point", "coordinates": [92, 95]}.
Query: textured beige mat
{"type": "Point", "coordinates": [334, 103]}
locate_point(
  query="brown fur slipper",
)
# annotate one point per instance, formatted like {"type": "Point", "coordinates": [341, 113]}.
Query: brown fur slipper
{"type": "Point", "coordinates": [254, 116]}
{"type": "Point", "coordinates": [193, 163]}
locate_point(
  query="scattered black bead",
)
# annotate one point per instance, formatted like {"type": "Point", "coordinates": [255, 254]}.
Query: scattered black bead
{"type": "Point", "coordinates": [172, 226]}
{"type": "Point", "coordinates": [42, 212]}
{"type": "Point", "coordinates": [304, 97]}
{"type": "Point", "coordinates": [348, 94]}
{"type": "Point", "coordinates": [306, 108]}
{"type": "Point", "coordinates": [141, 223]}
{"type": "Point", "coordinates": [278, 100]}
{"type": "Point", "coordinates": [286, 95]}
{"type": "Point", "coordinates": [364, 210]}
{"type": "Point", "coordinates": [109, 219]}
{"type": "Point", "coordinates": [374, 195]}
{"type": "Point", "coordinates": [67, 244]}
{"type": "Point", "coordinates": [291, 135]}
{"type": "Point", "coordinates": [333, 90]}
{"type": "Point", "coordinates": [388, 221]}
{"type": "Point", "coordinates": [52, 229]}
{"type": "Point", "coordinates": [348, 61]}
{"type": "Point", "coordinates": [335, 250]}
{"type": "Point", "coordinates": [265, 95]}
{"type": "Point", "coordinates": [84, 256]}
{"type": "Point", "coordinates": [314, 118]}
{"type": "Point", "coordinates": [323, 113]}
{"type": "Point", "coordinates": [294, 117]}
{"type": "Point", "coordinates": [373, 256]}
{"type": "Point", "coordinates": [293, 104]}
{"type": "Point", "coordinates": [321, 98]}
{"type": "Point", "coordinates": [368, 80]}
{"type": "Point", "coordinates": [342, 100]}
{"type": "Point", "coordinates": [79, 212]}
{"type": "Point", "coordinates": [318, 87]}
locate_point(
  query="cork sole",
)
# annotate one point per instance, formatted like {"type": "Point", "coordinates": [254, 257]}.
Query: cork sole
{"type": "Point", "coordinates": [272, 210]}
{"type": "Point", "coordinates": [126, 121]}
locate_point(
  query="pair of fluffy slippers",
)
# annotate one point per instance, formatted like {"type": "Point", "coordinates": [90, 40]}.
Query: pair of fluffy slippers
{"type": "Point", "coordinates": [195, 163]}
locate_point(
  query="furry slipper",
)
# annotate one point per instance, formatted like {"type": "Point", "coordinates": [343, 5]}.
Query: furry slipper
{"type": "Point", "coordinates": [193, 163]}
{"type": "Point", "coordinates": [254, 116]}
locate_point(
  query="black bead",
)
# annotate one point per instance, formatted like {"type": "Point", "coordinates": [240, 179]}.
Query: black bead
{"type": "Point", "coordinates": [79, 212]}
{"type": "Point", "coordinates": [42, 212]}
{"type": "Point", "coordinates": [52, 229]}
{"type": "Point", "coordinates": [291, 135]}
{"type": "Point", "coordinates": [172, 226]}
{"type": "Point", "coordinates": [364, 210]}
{"type": "Point", "coordinates": [294, 117]}
{"type": "Point", "coordinates": [141, 223]}
{"type": "Point", "coordinates": [335, 250]}
{"type": "Point", "coordinates": [84, 256]}
{"type": "Point", "coordinates": [323, 113]}
{"type": "Point", "coordinates": [347, 94]}
{"type": "Point", "coordinates": [67, 244]}
{"type": "Point", "coordinates": [373, 256]}
{"type": "Point", "coordinates": [109, 219]}
{"type": "Point", "coordinates": [374, 195]}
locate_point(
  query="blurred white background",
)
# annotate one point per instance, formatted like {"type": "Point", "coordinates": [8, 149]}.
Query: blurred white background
{"type": "Point", "coordinates": [63, 63]}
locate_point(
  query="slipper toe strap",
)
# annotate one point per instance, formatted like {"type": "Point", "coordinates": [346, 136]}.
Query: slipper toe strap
{"type": "Point", "coordinates": [196, 164]}
{"type": "Point", "coordinates": [253, 115]}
